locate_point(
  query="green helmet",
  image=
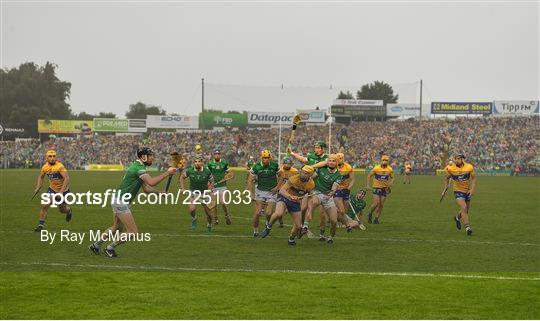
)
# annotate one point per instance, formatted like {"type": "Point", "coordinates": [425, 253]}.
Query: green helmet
{"type": "Point", "coordinates": [287, 160]}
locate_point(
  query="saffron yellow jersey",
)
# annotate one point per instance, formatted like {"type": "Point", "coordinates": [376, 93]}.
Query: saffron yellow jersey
{"type": "Point", "coordinates": [346, 171]}
{"type": "Point", "coordinates": [287, 173]}
{"type": "Point", "coordinates": [408, 168]}
{"type": "Point", "coordinates": [53, 173]}
{"type": "Point", "coordinates": [297, 187]}
{"type": "Point", "coordinates": [461, 176]}
{"type": "Point", "coordinates": [382, 176]}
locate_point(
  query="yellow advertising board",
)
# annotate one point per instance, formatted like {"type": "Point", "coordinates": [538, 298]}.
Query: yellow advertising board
{"type": "Point", "coordinates": [65, 126]}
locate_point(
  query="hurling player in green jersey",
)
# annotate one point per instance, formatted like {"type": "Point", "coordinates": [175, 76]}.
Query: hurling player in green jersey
{"type": "Point", "coordinates": [326, 183]}
{"type": "Point", "coordinates": [221, 173]}
{"type": "Point", "coordinates": [317, 156]}
{"type": "Point", "coordinates": [201, 183]}
{"type": "Point", "coordinates": [134, 178]}
{"type": "Point", "coordinates": [265, 174]}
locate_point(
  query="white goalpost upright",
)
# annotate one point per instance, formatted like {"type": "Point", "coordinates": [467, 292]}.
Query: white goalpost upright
{"type": "Point", "coordinates": [329, 131]}
{"type": "Point", "coordinates": [279, 137]}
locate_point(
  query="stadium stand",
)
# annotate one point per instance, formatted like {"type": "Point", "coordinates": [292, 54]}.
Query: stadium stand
{"type": "Point", "coordinates": [490, 143]}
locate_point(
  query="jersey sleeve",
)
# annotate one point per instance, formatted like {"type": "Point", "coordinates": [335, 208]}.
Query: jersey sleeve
{"type": "Point", "coordinates": [61, 167]}
{"type": "Point", "coordinates": [141, 172]}
{"type": "Point", "coordinates": [43, 170]}
{"type": "Point", "coordinates": [310, 186]}
{"type": "Point", "coordinates": [253, 170]}
{"type": "Point", "coordinates": [226, 167]}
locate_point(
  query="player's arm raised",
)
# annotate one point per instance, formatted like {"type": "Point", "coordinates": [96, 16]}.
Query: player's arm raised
{"type": "Point", "coordinates": [297, 156]}
{"type": "Point", "coordinates": [320, 164]}
{"type": "Point", "coordinates": [153, 181]}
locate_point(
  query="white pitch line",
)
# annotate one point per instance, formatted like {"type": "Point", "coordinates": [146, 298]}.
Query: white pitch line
{"type": "Point", "coordinates": [343, 238]}
{"type": "Point", "coordinates": [190, 269]}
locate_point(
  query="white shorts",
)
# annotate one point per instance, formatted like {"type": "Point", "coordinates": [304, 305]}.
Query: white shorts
{"type": "Point", "coordinates": [220, 190]}
{"type": "Point", "coordinates": [119, 207]}
{"type": "Point", "coordinates": [265, 196]}
{"type": "Point", "coordinates": [325, 200]}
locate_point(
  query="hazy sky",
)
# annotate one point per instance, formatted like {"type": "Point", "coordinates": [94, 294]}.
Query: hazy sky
{"type": "Point", "coordinates": [115, 54]}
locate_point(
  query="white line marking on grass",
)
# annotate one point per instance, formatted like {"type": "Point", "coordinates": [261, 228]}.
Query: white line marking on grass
{"type": "Point", "coordinates": [342, 238]}
{"type": "Point", "coordinates": [190, 269]}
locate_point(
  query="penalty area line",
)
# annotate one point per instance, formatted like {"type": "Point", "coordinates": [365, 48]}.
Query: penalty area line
{"type": "Point", "coordinates": [190, 269]}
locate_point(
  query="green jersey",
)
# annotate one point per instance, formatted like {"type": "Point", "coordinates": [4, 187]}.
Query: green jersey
{"type": "Point", "coordinates": [266, 175]}
{"type": "Point", "coordinates": [313, 159]}
{"type": "Point", "coordinates": [198, 179]}
{"type": "Point", "coordinates": [357, 204]}
{"type": "Point", "coordinates": [132, 182]}
{"type": "Point", "coordinates": [325, 179]}
{"type": "Point", "coordinates": [218, 170]}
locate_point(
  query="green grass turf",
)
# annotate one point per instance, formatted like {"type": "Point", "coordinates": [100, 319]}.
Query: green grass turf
{"type": "Point", "coordinates": [417, 236]}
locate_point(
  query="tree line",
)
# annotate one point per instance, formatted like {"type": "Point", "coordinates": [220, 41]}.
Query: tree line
{"type": "Point", "coordinates": [30, 92]}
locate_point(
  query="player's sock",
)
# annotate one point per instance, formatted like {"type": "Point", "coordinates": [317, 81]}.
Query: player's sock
{"type": "Point", "coordinates": [306, 224]}
{"type": "Point", "coordinates": [321, 232]}
{"type": "Point", "coordinates": [98, 243]}
{"type": "Point", "coordinates": [41, 222]}
{"type": "Point", "coordinates": [112, 246]}
{"type": "Point", "coordinates": [268, 225]}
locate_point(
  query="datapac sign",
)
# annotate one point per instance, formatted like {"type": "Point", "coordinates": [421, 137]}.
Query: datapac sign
{"type": "Point", "coordinates": [269, 118]}
{"type": "Point", "coordinates": [461, 108]}
{"type": "Point", "coordinates": [515, 107]}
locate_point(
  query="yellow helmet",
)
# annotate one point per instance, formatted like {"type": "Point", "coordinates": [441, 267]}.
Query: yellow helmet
{"type": "Point", "coordinates": [340, 157]}
{"type": "Point", "coordinates": [265, 153]}
{"type": "Point", "coordinates": [308, 169]}
{"type": "Point", "coordinates": [385, 158]}
{"type": "Point", "coordinates": [51, 152]}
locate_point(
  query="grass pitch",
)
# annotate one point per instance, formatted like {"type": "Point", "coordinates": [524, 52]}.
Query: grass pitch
{"type": "Point", "coordinates": [414, 265]}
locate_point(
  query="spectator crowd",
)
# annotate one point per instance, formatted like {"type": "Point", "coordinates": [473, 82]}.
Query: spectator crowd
{"type": "Point", "coordinates": [488, 142]}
